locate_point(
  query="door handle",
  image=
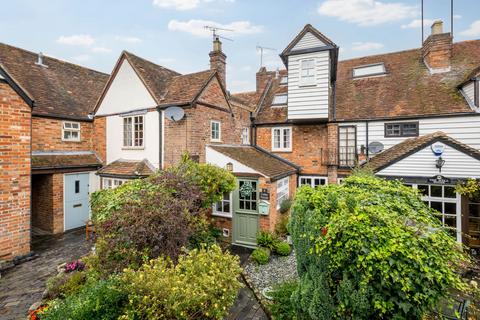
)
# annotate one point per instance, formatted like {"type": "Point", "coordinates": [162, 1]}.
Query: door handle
{"type": "Point", "coordinates": [77, 205]}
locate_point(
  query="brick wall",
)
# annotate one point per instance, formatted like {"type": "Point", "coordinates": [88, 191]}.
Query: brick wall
{"type": "Point", "coordinates": [332, 158]}
{"type": "Point", "coordinates": [100, 137]}
{"type": "Point", "coordinates": [42, 204]}
{"type": "Point", "coordinates": [57, 187]}
{"type": "Point", "coordinates": [47, 136]}
{"type": "Point", "coordinates": [15, 125]}
{"type": "Point", "coordinates": [309, 147]}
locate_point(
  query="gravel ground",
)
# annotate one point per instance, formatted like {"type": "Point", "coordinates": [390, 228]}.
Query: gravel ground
{"type": "Point", "coordinates": [279, 269]}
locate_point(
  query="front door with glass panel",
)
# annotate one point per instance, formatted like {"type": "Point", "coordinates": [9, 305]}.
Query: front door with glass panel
{"type": "Point", "coordinates": [246, 217]}
{"type": "Point", "coordinates": [77, 208]}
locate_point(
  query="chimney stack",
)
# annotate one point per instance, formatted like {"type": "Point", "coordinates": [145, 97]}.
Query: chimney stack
{"type": "Point", "coordinates": [437, 49]}
{"type": "Point", "coordinates": [218, 60]}
{"type": "Point", "coordinates": [262, 77]}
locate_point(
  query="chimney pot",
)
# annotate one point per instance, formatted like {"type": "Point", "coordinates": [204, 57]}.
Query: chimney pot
{"type": "Point", "coordinates": [437, 49]}
{"type": "Point", "coordinates": [437, 27]}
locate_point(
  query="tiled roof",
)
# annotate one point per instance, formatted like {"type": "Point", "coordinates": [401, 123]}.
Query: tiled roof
{"type": "Point", "coordinates": [127, 168]}
{"type": "Point", "coordinates": [61, 90]}
{"type": "Point", "coordinates": [407, 90]}
{"type": "Point", "coordinates": [410, 146]}
{"type": "Point", "coordinates": [62, 160]}
{"type": "Point", "coordinates": [185, 88]}
{"type": "Point", "coordinates": [248, 99]}
{"type": "Point", "coordinates": [258, 159]}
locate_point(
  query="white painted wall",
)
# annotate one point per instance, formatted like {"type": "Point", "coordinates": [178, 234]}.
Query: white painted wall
{"type": "Point", "coordinates": [465, 129]}
{"type": "Point", "coordinates": [221, 160]}
{"type": "Point", "coordinates": [126, 93]}
{"type": "Point", "coordinates": [308, 41]}
{"type": "Point", "coordinates": [422, 164]}
{"type": "Point", "coordinates": [309, 102]}
{"type": "Point", "coordinates": [150, 151]}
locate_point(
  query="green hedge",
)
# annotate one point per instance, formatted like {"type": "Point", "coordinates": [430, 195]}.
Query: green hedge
{"type": "Point", "coordinates": [370, 249]}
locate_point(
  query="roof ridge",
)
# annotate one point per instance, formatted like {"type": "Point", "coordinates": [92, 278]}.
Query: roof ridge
{"type": "Point", "coordinates": [146, 60]}
{"type": "Point", "coordinates": [53, 58]}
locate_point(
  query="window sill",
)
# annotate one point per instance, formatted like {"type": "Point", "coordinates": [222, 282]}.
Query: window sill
{"type": "Point", "coordinates": [215, 140]}
{"type": "Point", "coordinates": [77, 141]}
{"type": "Point", "coordinates": [282, 150]}
{"type": "Point", "coordinates": [133, 148]}
{"type": "Point", "coordinates": [305, 85]}
{"type": "Point", "coordinates": [221, 215]}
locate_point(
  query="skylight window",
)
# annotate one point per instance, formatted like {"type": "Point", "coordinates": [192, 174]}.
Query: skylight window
{"type": "Point", "coordinates": [279, 99]}
{"type": "Point", "coordinates": [369, 70]}
{"type": "Point", "coordinates": [284, 80]}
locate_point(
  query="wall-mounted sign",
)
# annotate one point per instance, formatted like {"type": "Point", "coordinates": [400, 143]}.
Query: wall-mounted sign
{"type": "Point", "coordinates": [439, 179]}
{"type": "Point", "coordinates": [438, 148]}
{"type": "Point", "coordinates": [264, 194]}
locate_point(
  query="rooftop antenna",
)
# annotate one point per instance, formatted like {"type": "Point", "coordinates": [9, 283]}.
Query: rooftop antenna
{"type": "Point", "coordinates": [215, 34]}
{"type": "Point", "coordinates": [261, 49]}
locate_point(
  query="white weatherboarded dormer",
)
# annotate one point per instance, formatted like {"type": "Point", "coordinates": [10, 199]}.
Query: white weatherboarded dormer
{"type": "Point", "coordinates": [311, 60]}
{"type": "Point", "coordinates": [471, 90]}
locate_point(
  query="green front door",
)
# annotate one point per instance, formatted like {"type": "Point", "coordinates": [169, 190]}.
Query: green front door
{"type": "Point", "coordinates": [245, 215]}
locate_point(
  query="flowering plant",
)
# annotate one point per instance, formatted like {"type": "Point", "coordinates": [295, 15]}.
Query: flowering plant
{"type": "Point", "coordinates": [76, 265]}
{"type": "Point", "coordinates": [34, 314]}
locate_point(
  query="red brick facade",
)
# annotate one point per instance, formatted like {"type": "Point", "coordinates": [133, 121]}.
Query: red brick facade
{"type": "Point", "coordinates": [15, 139]}
{"type": "Point", "coordinates": [47, 202]}
{"type": "Point", "coordinates": [100, 137]}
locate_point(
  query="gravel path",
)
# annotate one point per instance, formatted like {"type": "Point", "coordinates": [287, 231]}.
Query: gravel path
{"type": "Point", "coordinates": [279, 269]}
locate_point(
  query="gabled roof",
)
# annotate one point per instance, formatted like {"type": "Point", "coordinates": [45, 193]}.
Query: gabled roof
{"type": "Point", "coordinates": [64, 160]}
{"type": "Point", "coordinates": [413, 145]}
{"type": "Point", "coordinates": [249, 100]}
{"type": "Point", "coordinates": [61, 89]}
{"type": "Point", "coordinates": [26, 96]}
{"type": "Point", "coordinates": [128, 169]}
{"type": "Point", "coordinates": [305, 30]}
{"type": "Point", "coordinates": [259, 160]}
{"type": "Point", "coordinates": [408, 89]}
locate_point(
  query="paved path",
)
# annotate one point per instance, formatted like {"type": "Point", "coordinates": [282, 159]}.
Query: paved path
{"type": "Point", "coordinates": [23, 285]}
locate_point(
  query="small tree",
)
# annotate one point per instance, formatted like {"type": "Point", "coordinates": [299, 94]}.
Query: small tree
{"type": "Point", "coordinates": [370, 249]}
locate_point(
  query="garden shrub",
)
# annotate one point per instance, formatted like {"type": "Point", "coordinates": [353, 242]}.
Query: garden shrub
{"type": "Point", "coordinates": [285, 205]}
{"type": "Point", "coordinates": [370, 249]}
{"type": "Point", "coordinates": [282, 248]}
{"type": "Point", "coordinates": [282, 307]}
{"type": "Point", "coordinates": [281, 228]}
{"type": "Point", "coordinates": [202, 285]}
{"type": "Point", "coordinates": [260, 256]}
{"type": "Point", "coordinates": [103, 300]}
{"type": "Point", "coordinates": [64, 284]}
{"type": "Point", "coordinates": [266, 239]}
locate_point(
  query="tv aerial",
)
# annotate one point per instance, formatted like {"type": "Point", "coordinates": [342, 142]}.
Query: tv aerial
{"type": "Point", "coordinates": [174, 113]}
{"type": "Point", "coordinates": [215, 34]}
{"type": "Point", "coordinates": [262, 49]}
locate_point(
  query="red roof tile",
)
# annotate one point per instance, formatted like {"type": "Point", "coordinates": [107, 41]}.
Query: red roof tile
{"type": "Point", "coordinates": [62, 160]}
{"type": "Point", "coordinates": [127, 168]}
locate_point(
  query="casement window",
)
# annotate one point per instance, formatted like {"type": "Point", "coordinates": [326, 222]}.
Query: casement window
{"type": "Point", "coordinates": [284, 80]}
{"type": "Point", "coordinates": [223, 207]}
{"type": "Point", "coordinates": [112, 183]}
{"type": "Point", "coordinates": [245, 135]}
{"type": "Point", "coordinates": [404, 129]}
{"type": "Point", "coordinates": [347, 146]}
{"type": "Point", "coordinates": [215, 131]}
{"type": "Point", "coordinates": [279, 100]}
{"type": "Point", "coordinates": [307, 72]}
{"type": "Point", "coordinates": [369, 70]}
{"type": "Point", "coordinates": [133, 132]}
{"type": "Point", "coordinates": [70, 131]}
{"type": "Point", "coordinates": [282, 139]}
{"type": "Point", "coordinates": [247, 195]}
{"type": "Point", "coordinates": [282, 190]}
{"type": "Point", "coordinates": [313, 181]}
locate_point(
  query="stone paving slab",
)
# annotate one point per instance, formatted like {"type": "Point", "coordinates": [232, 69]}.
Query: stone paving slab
{"type": "Point", "coordinates": [24, 284]}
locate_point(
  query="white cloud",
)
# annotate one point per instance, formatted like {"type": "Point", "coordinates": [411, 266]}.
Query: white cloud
{"type": "Point", "coordinates": [128, 39]}
{"type": "Point", "coordinates": [81, 58]}
{"type": "Point", "coordinates": [197, 27]}
{"type": "Point", "coordinates": [366, 46]}
{"type": "Point", "coordinates": [473, 31]}
{"type": "Point", "coordinates": [417, 23]}
{"type": "Point", "coordinates": [77, 40]}
{"type": "Point", "coordinates": [177, 4]}
{"type": "Point", "coordinates": [457, 16]}
{"type": "Point", "coordinates": [367, 12]}
{"type": "Point", "coordinates": [101, 50]}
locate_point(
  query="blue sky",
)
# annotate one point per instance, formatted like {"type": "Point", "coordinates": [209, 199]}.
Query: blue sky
{"type": "Point", "coordinates": [169, 32]}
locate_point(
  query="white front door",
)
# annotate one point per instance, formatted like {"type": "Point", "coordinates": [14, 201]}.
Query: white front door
{"type": "Point", "coordinates": [76, 202]}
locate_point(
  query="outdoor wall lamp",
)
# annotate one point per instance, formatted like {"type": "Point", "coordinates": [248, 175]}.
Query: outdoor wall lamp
{"type": "Point", "coordinates": [229, 166]}
{"type": "Point", "coordinates": [440, 163]}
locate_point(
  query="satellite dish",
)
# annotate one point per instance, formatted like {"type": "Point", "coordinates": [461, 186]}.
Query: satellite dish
{"type": "Point", "coordinates": [375, 147]}
{"type": "Point", "coordinates": [174, 113]}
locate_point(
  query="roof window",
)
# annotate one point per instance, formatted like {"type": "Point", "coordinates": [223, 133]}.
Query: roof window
{"type": "Point", "coordinates": [369, 70]}
{"type": "Point", "coordinates": [279, 99]}
{"type": "Point", "coordinates": [284, 80]}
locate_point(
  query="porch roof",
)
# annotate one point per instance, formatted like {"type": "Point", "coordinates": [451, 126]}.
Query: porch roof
{"type": "Point", "coordinates": [127, 169]}
{"type": "Point", "coordinates": [64, 160]}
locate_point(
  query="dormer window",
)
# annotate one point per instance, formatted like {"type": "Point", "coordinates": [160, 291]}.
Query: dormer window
{"type": "Point", "coordinates": [307, 72]}
{"type": "Point", "coordinates": [370, 70]}
{"type": "Point", "coordinates": [279, 100]}
{"type": "Point", "coordinates": [284, 81]}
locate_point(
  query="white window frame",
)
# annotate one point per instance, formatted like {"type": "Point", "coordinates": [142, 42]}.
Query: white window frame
{"type": "Point", "coordinates": [112, 183]}
{"type": "Point", "coordinates": [222, 213]}
{"type": "Point", "coordinates": [310, 79]}
{"type": "Point", "coordinates": [282, 147]}
{"type": "Point", "coordinates": [312, 180]}
{"type": "Point", "coordinates": [284, 81]}
{"type": "Point", "coordinates": [283, 190]}
{"type": "Point", "coordinates": [71, 130]}
{"type": "Point", "coordinates": [219, 139]}
{"type": "Point", "coordinates": [133, 130]}
{"type": "Point", "coordinates": [281, 104]}
{"type": "Point", "coordinates": [246, 135]}
{"type": "Point", "coordinates": [370, 70]}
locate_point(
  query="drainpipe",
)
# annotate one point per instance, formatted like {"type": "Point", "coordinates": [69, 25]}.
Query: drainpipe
{"type": "Point", "coordinates": [253, 136]}
{"type": "Point", "coordinates": [160, 140]}
{"type": "Point", "coordinates": [366, 138]}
